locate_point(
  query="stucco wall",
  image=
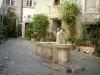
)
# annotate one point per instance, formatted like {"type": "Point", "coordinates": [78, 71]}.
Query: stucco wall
{"type": "Point", "coordinates": [0, 2]}
{"type": "Point", "coordinates": [18, 8]}
{"type": "Point", "coordinates": [43, 6]}
{"type": "Point", "coordinates": [91, 17]}
{"type": "Point", "coordinates": [26, 12]}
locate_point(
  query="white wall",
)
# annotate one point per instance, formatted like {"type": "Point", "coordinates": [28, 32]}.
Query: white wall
{"type": "Point", "coordinates": [0, 2]}
{"type": "Point", "coordinates": [26, 12]}
{"type": "Point", "coordinates": [42, 6]}
{"type": "Point", "coordinates": [18, 8]}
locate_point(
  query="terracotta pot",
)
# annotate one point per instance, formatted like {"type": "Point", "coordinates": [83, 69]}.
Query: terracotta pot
{"type": "Point", "coordinates": [96, 53]}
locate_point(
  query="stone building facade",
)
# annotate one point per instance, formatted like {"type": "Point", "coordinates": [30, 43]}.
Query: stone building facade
{"type": "Point", "coordinates": [12, 3]}
{"type": "Point", "coordinates": [89, 12]}
{"type": "Point", "coordinates": [28, 7]}
{"type": "Point", "coordinates": [25, 10]}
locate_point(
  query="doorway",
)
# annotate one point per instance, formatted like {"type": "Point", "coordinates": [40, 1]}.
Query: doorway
{"type": "Point", "coordinates": [56, 25]}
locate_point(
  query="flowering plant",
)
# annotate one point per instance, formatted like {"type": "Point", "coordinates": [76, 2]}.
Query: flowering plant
{"type": "Point", "coordinates": [1, 36]}
{"type": "Point", "coordinates": [87, 44]}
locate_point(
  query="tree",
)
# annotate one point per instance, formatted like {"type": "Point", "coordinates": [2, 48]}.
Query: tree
{"type": "Point", "coordinates": [10, 21]}
{"type": "Point", "coordinates": [29, 31]}
{"type": "Point", "coordinates": [40, 25]}
{"type": "Point", "coordinates": [3, 30]}
{"type": "Point", "coordinates": [95, 36]}
{"type": "Point", "coordinates": [68, 12]}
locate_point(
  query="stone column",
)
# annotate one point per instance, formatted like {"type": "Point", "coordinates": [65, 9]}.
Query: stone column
{"type": "Point", "coordinates": [23, 30]}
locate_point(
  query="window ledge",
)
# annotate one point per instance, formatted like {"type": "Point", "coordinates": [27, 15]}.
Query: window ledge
{"type": "Point", "coordinates": [91, 12]}
{"type": "Point", "coordinates": [28, 7]}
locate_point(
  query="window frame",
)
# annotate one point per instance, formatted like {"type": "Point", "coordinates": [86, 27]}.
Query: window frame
{"type": "Point", "coordinates": [31, 3]}
{"type": "Point", "coordinates": [27, 3]}
{"type": "Point", "coordinates": [13, 2]}
{"type": "Point", "coordinates": [10, 3]}
{"type": "Point", "coordinates": [84, 7]}
{"type": "Point", "coordinates": [56, 2]}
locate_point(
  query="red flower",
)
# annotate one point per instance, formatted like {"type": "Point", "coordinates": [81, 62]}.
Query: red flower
{"type": "Point", "coordinates": [83, 42]}
{"type": "Point", "coordinates": [90, 45]}
{"type": "Point", "coordinates": [1, 36]}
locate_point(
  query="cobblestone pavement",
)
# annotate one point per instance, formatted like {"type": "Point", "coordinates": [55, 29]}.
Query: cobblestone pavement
{"type": "Point", "coordinates": [17, 57]}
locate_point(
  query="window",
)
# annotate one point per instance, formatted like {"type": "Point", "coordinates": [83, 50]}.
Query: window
{"type": "Point", "coordinates": [12, 2]}
{"type": "Point", "coordinates": [91, 6]}
{"type": "Point", "coordinates": [27, 3]}
{"type": "Point", "coordinates": [56, 2]}
{"type": "Point", "coordinates": [7, 2]}
{"type": "Point", "coordinates": [28, 16]}
{"type": "Point", "coordinates": [30, 2]}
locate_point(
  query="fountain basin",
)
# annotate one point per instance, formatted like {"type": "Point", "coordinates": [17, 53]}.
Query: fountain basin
{"type": "Point", "coordinates": [58, 53]}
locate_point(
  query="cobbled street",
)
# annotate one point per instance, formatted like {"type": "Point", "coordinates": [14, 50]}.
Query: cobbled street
{"type": "Point", "coordinates": [17, 57]}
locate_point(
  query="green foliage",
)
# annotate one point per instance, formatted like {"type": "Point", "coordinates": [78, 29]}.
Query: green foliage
{"type": "Point", "coordinates": [68, 12]}
{"type": "Point", "coordinates": [10, 21]}
{"type": "Point", "coordinates": [40, 24]}
{"type": "Point", "coordinates": [92, 34]}
{"type": "Point", "coordinates": [29, 31]}
{"type": "Point", "coordinates": [3, 30]}
{"type": "Point", "coordinates": [72, 40]}
{"type": "Point", "coordinates": [19, 30]}
{"type": "Point", "coordinates": [95, 36]}
{"type": "Point", "coordinates": [11, 12]}
{"type": "Point", "coordinates": [84, 36]}
{"type": "Point", "coordinates": [50, 37]}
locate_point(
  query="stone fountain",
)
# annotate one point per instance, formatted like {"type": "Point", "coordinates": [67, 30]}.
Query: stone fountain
{"type": "Point", "coordinates": [58, 52]}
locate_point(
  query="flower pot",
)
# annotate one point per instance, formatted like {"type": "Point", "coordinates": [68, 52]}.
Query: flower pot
{"type": "Point", "coordinates": [96, 53]}
{"type": "Point", "coordinates": [99, 55]}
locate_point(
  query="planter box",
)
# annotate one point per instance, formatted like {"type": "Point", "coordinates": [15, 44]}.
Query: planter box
{"type": "Point", "coordinates": [58, 53]}
{"type": "Point", "coordinates": [88, 50]}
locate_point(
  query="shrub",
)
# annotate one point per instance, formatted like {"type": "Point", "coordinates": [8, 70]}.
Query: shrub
{"type": "Point", "coordinates": [3, 30]}
{"type": "Point", "coordinates": [40, 24]}
{"type": "Point", "coordinates": [29, 31]}
{"type": "Point", "coordinates": [10, 21]}
{"type": "Point", "coordinates": [68, 12]}
{"type": "Point", "coordinates": [50, 37]}
{"type": "Point", "coordinates": [19, 30]}
{"type": "Point", "coordinates": [92, 34]}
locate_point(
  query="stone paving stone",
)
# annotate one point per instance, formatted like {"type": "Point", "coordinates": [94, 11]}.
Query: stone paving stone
{"type": "Point", "coordinates": [17, 57]}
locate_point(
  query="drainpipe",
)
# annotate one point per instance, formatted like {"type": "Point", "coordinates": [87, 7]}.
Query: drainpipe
{"type": "Point", "coordinates": [21, 10]}
{"type": "Point", "coordinates": [22, 19]}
